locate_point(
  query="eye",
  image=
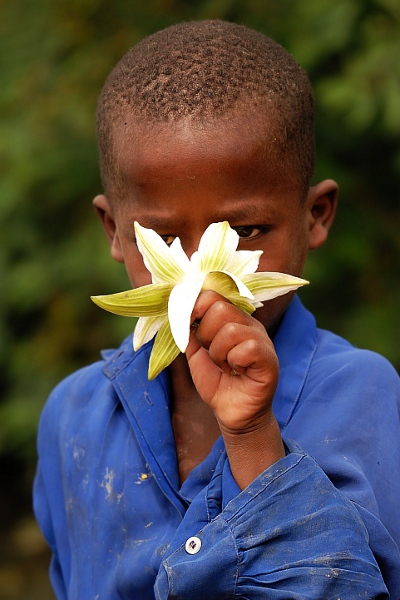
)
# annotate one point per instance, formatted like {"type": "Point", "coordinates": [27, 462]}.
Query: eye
{"type": "Point", "coordinates": [251, 231]}
{"type": "Point", "coordinates": [168, 239]}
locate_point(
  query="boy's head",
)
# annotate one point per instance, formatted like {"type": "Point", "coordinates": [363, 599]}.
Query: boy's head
{"type": "Point", "coordinates": [207, 122]}
{"type": "Point", "coordinates": [206, 72]}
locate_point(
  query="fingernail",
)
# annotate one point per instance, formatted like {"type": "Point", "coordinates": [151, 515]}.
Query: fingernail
{"type": "Point", "coordinates": [195, 323]}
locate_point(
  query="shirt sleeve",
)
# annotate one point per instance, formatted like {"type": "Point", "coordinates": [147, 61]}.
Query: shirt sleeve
{"type": "Point", "coordinates": [44, 518]}
{"type": "Point", "coordinates": [290, 534]}
{"type": "Point", "coordinates": [347, 418]}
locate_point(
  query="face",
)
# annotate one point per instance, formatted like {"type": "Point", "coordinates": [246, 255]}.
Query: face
{"type": "Point", "coordinates": [179, 179]}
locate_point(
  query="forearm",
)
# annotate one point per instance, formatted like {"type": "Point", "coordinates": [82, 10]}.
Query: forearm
{"type": "Point", "coordinates": [254, 450]}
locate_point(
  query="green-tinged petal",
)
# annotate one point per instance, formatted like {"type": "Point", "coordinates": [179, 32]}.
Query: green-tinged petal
{"type": "Point", "coordinates": [162, 264]}
{"type": "Point", "coordinates": [243, 304]}
{"type": "Point", "coordinates": [179, 255]}
{"type": "Point", "coordinates": [164, 351]}
{"type": "Point", "coordinates": [265, 286]}
{"type": "Point", "coordinates": [146, 328]}
{"type": "Point", "coordinates": [216, 248]}
{"type": "Point", "coordinates": [241, 287]}
{"type": "Point", "coordinates": [243, 262]}
{"type": "Point", "coordinates": [224, 284]}
{"type": "Point", "coordinates": [147, 301]}
{"type": "Point", "coordinates": [180, 307]}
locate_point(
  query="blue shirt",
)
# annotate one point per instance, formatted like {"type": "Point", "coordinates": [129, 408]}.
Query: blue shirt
{"type": "Point", "coordinates": [108, 499]}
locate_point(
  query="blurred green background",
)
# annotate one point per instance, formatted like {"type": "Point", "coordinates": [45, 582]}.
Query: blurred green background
{"type": "Point", "coordinates": [54, 57]}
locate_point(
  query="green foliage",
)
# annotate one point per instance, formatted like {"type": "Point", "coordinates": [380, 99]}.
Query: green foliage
{"type": "Point", "coordinates": [54, 57]}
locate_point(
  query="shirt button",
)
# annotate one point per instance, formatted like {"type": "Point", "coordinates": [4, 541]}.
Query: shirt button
{"type": "Point", "coordinates": [193, 545]}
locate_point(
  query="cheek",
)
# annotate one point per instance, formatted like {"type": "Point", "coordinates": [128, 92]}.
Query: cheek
{"type": "Point", "coordinates": [137, 272]}
{"type": "Point", "coordinates": [278, 255]}
{"type": "Point", "coordinates": [139, 277]}
{"type": "Point", "coordinates": [286, 255]}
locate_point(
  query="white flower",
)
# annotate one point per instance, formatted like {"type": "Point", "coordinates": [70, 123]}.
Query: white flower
{"type": "Point", "coordinates": [164, 307]}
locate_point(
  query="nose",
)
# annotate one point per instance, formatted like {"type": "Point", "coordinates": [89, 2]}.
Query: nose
{"type": "Point", "coordinates": [190, 243]}
{"type": "Point", "coordinates": [190, 249]}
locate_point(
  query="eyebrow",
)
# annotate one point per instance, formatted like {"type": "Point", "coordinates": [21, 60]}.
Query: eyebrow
{"type": "Point", "coordinates": [248, 213]}
{"type": "Point", "coordinates": [244, 213]}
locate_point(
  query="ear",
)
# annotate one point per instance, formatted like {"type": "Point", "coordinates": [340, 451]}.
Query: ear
{"type": "Point", "coordinates": [321, 204]}
{"type": "Point", "coordinates": [105, 213]}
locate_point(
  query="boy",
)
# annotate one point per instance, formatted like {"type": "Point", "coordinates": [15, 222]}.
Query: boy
{"type": "Point", "coordinates": [191, 485]}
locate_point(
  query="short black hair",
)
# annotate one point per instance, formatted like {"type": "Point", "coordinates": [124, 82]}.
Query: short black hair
{"type": "Point", "coordinates": [203, 70]}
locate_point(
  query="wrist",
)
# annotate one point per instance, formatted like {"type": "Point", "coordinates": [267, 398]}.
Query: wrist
{"type": "Point", "coordinates": [254, 449]}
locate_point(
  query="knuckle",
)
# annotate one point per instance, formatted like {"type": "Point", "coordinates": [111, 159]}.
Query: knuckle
{"type": "Point", "coordinates": [220, 308]}
{"type": "Point", "coordinates": [252, 348]}
{"type": "Point", "coordinates": [230, 329]}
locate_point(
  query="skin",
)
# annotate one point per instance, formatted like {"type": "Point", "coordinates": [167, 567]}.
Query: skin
{"type": "Point", "coordinates": [177, 179]}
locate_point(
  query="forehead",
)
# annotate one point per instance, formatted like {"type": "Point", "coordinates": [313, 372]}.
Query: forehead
{"type": "Point", "coordinates": [232, 162]}
{"type": "Point", "coordinates": [240, 150]}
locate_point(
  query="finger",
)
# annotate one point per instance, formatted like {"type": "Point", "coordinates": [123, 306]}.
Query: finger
{"type": "Point", "coordinates": [236, 347]}
{"type": "Point", "coordinates": [258, 361]}
{"type": "Point", "coordinates": [216, 313]}
{"type": "Point", "coordinates": [206, 299]}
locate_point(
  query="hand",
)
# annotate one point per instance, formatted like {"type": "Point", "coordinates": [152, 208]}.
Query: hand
{"type": "Point", "coordinates": [232, 362]}
{"type": "Point", "coordinates": [235, 370]}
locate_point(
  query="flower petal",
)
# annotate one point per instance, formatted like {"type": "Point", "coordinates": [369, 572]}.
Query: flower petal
{"type": "Point", "coordinates": [180, 307]}
{"type": "Point", "coordinates": [216, 248]}
{"type": "Point", "coordinates": [226, 286]}
{"type": "Point", "coordinates": [243, 262]}
{"type": "Point", "coordinates": [147, 301]}
{"type": "Point", "coordinates": [241, 287]}
{"type": "Point", "coordinates": [164, 351]}
{"type": "Point", "coordinates": [265, 286]}
{"type": "Point", "coordinates": [179, 254]}
{"type": "Point", "coordinates": [146, 328]}
{"type": "Point", "coordinates": [164, 265]}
